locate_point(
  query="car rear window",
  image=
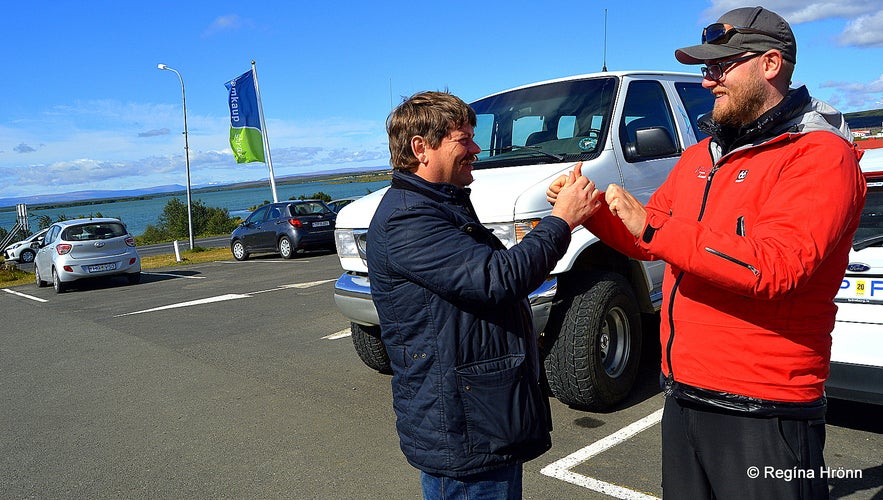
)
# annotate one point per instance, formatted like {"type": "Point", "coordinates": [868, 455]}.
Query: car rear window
{"type": "Point", "coordinates": [308, 208]}
{"type": "Point", "coordinates": [94, 231]}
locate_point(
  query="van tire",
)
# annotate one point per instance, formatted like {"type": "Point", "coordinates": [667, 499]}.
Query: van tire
{"type": "Point", "coordinates": [370, 349]}
{"type": "Point", "coordinates": [592, 343]}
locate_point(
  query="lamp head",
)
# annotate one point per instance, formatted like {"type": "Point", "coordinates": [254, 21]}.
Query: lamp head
{"type": "Point", "coordinates": [162, 66]}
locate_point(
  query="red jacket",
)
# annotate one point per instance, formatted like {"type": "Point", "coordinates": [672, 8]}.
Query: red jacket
{"type": "Point", "coordinates": [756, 246]}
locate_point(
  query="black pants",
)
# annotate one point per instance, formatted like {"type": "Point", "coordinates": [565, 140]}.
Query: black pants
{"type": "Point", "coordinates": [713, 455]}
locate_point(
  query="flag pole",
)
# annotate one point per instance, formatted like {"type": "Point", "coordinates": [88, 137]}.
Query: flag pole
{"type": "Point", "coordinates": [265, 135]}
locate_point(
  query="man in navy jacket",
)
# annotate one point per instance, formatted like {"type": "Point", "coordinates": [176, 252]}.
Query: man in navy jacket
{"type": "Point", "coordinates": [452, 302]}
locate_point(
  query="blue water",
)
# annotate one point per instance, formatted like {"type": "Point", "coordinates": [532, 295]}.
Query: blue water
{"type": "Point", "coordinates": [138, 214]}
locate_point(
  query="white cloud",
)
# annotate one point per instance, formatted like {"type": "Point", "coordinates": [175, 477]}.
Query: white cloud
{"type": "Point", "coordinates": [856, 95]}
{"type": "Point", "coordinates": [864, 26]}
{"type": "Point", "coordinates": [129, 145]}
{"type": "Point", "coordinates": [154, 133]}
{"type": "Point", "coordinates": [865, 31]}
{"type": "Point", "coordinates": [800, 11]}
{"type": "Point", "coordinates": [229, 22]}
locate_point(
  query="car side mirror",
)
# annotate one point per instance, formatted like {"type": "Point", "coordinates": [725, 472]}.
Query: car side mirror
{"type": "Point", "coordinates": [650, 142]}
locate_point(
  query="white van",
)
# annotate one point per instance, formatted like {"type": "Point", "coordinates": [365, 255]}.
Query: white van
{"type": "Point", "coordinates": [857, 349]}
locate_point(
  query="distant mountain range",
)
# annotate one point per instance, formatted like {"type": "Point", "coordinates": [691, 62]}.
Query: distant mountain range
{"type": "Point", "coordinates": [60, 198]}
{"type": "Point", "coordinates": [78, 196]}
{"type": "Point", "coordinates": [865, 119]}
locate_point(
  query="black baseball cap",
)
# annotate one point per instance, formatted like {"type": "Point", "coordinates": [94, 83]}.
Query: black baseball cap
{"type": "Point", "coordinates": [747, 29]}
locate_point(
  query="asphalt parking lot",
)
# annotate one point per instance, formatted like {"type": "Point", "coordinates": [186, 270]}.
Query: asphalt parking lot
{"type": "Point", "coordinates": [238, 380]}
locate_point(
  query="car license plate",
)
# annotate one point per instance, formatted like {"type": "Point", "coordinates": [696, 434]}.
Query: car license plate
{"type": "Point", "coordinates": [101, 268]}
{"type": "Point", "coordinates": [321, 223]}
{"type": "Point", "coordinates": [861, 289]}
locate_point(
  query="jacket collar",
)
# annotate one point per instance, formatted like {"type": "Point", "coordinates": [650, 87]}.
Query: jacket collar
{"type": "Point", "coordinates": [441, 192]}
{"type": "Point", "coordinates": [775, 121]}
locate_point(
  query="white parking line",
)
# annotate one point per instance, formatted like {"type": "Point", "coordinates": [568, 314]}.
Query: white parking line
{"type": "Point", "coordinates": [561, 468]}
{"type": "Point", "coordinates": [338, 335]}
{"type": "Point", "coordinates": [13, 292]}
{"type": "Point", "coordinates": [301, 286]}
{"type": "Point", "coordinates": [263, 261]}
{"type": "Point", "coordinates": [308, 284]}
{"type": "Point", "coordinates": [209, 300]}
{"type": "Point", "coordinates": [229, 296]}
{"type": "Point", "coordinates": [176, 275]}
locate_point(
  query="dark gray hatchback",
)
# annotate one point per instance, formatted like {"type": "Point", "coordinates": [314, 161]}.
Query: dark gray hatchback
{"type": "Point", "coordinates": [285, 228]}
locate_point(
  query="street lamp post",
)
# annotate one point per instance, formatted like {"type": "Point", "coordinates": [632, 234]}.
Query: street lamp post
{"type": "Point", "coordinates": [186, 151]}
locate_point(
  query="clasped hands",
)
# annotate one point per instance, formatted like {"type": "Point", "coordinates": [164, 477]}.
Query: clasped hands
{"type": "Point", "coordinates": [620, 202]}
{"type": "Point", "coordinates": [576, 198]}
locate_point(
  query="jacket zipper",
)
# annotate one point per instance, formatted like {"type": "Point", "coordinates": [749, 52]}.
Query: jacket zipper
{"type": "Point", "coordinates": [670, 378]}
{"type": "Point", "coordinates": [733, 260]}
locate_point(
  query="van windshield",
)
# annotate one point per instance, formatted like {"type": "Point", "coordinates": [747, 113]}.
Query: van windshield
{"type": "Point", "coordinates": [548, 123]}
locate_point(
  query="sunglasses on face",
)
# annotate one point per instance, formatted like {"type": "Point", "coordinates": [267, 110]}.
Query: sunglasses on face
{"type": "Point", "coordinates": [717, 70]}
{"type": "Point", "coordinates": [719, 33]}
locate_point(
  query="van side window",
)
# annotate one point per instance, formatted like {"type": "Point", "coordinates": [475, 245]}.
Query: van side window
{"type": "Point", "coordinates": [647, 128]}
{"type": "Point", "coordinates": [698, 101]}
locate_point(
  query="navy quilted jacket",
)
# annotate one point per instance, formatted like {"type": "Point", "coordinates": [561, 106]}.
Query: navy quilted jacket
{"type": "Point", "coordinates": [458, 329]}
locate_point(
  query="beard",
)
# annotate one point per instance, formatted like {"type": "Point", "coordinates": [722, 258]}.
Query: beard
{"type": "Point", "coordinates": [745, 103]}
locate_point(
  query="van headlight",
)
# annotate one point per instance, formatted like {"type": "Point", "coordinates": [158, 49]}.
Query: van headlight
{"type": "Point", "coordinates": [345, 243]}
{"type": "Point", "coordinates": [351, 243]}
{"type": "Point", "coordinates": [511, 233]}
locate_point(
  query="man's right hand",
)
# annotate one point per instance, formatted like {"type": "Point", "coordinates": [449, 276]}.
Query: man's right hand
{"type": "Point", "coordinates": [576, 197]}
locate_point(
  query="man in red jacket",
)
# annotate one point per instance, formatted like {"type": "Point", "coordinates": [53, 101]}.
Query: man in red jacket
{"type": "Point", "coordinates": [755, 224]}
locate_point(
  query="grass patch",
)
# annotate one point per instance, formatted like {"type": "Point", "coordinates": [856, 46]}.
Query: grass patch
{"type": "Point", "coordinates": [196, 256]}
{"type": "Point", "coordinates": [11, 275]}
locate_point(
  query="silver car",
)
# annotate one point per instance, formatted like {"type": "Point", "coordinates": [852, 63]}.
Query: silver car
{"type": "Point", "coordinates": [86, 248]}
{"type": "Point", "coordinates": [24, 250]}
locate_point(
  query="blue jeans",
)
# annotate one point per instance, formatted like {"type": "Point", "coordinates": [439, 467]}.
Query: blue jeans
{"type": "Point", "coordinates": [498, 484]}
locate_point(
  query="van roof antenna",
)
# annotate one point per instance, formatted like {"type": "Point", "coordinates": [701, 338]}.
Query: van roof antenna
{"type": "Point", "coordinates": [604, 67]}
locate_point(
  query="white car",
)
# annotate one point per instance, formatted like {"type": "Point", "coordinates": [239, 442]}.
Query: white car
{"type": "Point", "coordinates": [857, 349]}
{"type": "Point", "coordinates": [24, 250]}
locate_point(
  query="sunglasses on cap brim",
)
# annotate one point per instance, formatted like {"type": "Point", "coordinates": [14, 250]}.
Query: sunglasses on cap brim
{"type": "Point", "coordinates": [719, 33]}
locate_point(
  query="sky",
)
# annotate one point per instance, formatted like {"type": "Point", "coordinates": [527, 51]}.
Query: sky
{"type": "Point", "coordinates": [86, 108]}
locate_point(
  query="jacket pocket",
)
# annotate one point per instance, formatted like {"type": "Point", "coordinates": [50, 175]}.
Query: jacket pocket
{"type": "Point", "coordinates": [502, 406]}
